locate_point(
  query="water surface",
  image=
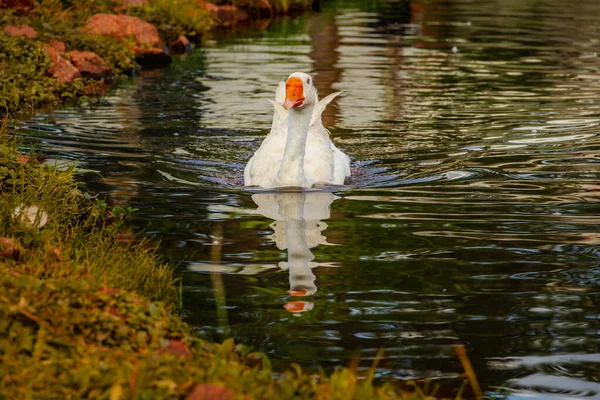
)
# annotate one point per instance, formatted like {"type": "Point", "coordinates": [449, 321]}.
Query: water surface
{"type": "Point", "coordinates": [472, 218]}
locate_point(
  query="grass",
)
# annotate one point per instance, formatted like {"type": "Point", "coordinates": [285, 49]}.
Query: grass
{"type": "Point", "coordinates": [79, 239]}
{"type": "Point", "coordinates": [86, 310]}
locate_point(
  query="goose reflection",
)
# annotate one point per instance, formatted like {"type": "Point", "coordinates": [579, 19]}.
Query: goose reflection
{"type": "Point", "coordinates": [297, 227]}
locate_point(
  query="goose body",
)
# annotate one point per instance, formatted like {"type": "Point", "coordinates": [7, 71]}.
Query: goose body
{"type": "Point", "coordinates": [311, 156]}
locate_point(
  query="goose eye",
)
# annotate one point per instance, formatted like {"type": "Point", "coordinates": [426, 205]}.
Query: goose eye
{"type": "Point", "coordinates": [308, 81]}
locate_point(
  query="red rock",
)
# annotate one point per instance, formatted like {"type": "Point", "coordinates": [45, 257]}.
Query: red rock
{"type": "Point", "coordinates": [23, 159]}
{"type": "Point", "coordinates": [9, 249]}
{"type": "Point", "coordinates": [21, 30]}
{"type": "Point", "coordinates": [151, 58]}
{"type": "Point", "coordinates": [59, 46]}
{"type": "Point", "coordinates": [208, 391]}
{"type": "Point", "coordinates": [231, 15]}
{"type": "Point", "coordinates": [178, 348]}
{"type": "Point", "coordinates": [62, 70]}
{"type": "Point", "coordinates": [90, 64]}
{"type": "Point", "coordinates": [122, 27]}
{"type": "Point", "coordinates": [181, 45]}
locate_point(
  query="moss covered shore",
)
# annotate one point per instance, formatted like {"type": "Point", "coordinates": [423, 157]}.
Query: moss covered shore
{"type": "Point", "coordinates": [55, 52]}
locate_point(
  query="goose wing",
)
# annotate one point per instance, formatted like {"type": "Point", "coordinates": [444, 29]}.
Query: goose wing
{"type": "Point", "coordinates": [262, 167]}
{"type": "Point", "coordinates": [321, 106]}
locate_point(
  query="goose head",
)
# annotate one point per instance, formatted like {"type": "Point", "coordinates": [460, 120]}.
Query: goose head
{"type": "Point", "coordinates": [299, 91]}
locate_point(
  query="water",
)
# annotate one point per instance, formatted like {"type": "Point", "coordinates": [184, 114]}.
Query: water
{"type": "Point", "coordinates": [474, 129]}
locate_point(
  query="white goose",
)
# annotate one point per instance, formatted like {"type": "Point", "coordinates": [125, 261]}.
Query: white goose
{"type": "Point", "coordinates": [297, 152]}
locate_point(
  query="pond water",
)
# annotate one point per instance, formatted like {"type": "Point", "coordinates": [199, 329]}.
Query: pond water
{"type": "Point", "coordinates": [473, 216]}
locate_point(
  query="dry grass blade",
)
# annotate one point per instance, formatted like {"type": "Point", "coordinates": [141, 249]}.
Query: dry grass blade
{"type": "Point", "coordinates": [466, 363]}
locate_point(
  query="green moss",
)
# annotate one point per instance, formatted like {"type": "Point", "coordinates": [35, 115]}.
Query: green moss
{"type": "Point", "coordinates": [23, 66]}
{"type": "Point", "coordinates": [23, 62]}
{"type": "Point", "coordinates": [25, 82]}
{"type": "Point", "coordinates": [118, 54]}
{"type": "Point", "coordinates": [62, 21]}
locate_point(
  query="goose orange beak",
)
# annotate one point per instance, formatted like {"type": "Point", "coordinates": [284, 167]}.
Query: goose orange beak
{"type": "Point", "coordinates": [294, 93]}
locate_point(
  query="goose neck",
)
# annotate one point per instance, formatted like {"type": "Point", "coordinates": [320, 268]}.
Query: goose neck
{"type": "Point", "coordinates": [291, 172]}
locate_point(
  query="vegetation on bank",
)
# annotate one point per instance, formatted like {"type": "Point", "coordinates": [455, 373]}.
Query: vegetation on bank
{"type": "Point", "coordinates": [25, 65]}
{"type": "Point", "coordinates": [86, 309]}
{"type": "Point", "coordinates": [25, 82]}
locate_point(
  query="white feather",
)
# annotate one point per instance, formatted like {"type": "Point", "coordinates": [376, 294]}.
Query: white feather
{"type": "Point", "coordinates": [321, 106]}
{"type": "Point", "coordinates": [323, 162]}
{"type": "Point", "coordinates": [280, 93]}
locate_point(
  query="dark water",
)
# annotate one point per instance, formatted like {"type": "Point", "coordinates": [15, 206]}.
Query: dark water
{"type": "Point", "coordinates": [473, 218]}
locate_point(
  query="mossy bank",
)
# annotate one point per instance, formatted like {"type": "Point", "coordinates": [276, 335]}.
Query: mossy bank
{"type": "Point", "coordinates": [56, 52]}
